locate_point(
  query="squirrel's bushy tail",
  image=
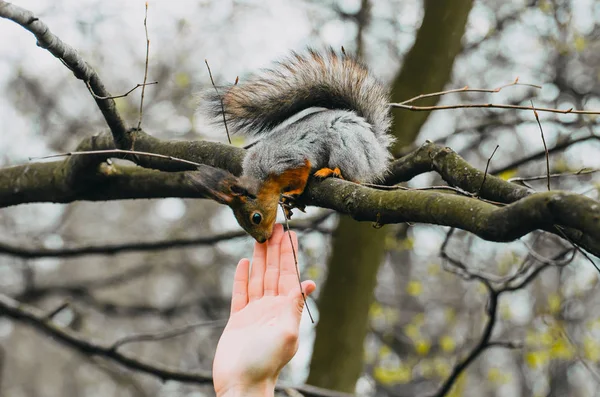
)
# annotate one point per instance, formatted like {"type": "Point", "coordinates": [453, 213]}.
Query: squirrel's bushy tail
{"type": "Point", "coordinates": [300, 82]}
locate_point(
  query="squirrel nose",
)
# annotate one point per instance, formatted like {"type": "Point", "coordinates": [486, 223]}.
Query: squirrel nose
{"type": "Point", "coordinates": [261, 239]}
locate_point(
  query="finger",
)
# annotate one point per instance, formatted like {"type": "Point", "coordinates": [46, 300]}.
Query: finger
{"type": "Point", "coordinates": [308, 287]}
{"type": "Point", "coordinates": [257, 272]}
{"type": "Point", "coordinates": [239, 295]}
{"type": "Point", "coordinates": [296, 309]}
{"type": "Point", "coordinates": [272, 267]}
{"type": "Point", "coordinates": [288, 273]}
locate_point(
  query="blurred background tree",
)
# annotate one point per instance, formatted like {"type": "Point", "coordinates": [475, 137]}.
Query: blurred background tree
{"type": "Point", "coordinates": [398, 315]}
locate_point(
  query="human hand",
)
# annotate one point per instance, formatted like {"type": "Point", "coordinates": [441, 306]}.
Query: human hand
{"type": "Point", "coordinates": [261, 335]}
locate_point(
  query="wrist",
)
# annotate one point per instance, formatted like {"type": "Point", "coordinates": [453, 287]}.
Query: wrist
{"type": "Point", "coordinates": [262, 389]}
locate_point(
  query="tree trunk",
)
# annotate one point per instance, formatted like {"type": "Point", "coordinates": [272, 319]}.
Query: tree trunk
{"type": "Point", "coordinates": [358, 249]}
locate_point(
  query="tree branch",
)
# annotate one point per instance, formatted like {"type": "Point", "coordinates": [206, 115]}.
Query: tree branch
{"type": "Point", "coordinates": [37, 320]}
{"type": "Point", "coordinates": [536, 211]}
{"type": "Point", "coordinates": [456, 172]}
{"type": "Point", "coordinates": [88, 178]}
{"type": "Point", "coordinates": [65, 181]}
{"type": "Point", "coordinates": [111, 249]}
{"type": "Point", "coordinates": [71, 59]}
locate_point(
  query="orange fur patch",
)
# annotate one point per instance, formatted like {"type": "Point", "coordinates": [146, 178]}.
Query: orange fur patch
{"type": "Point", "coordinates": [328, 172]}
{"type": "Point", "coordinates": [290, 182]}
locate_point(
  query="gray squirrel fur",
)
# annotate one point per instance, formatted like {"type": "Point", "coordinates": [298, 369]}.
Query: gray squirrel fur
{"type": "Point", "coordinates": [324, 108]}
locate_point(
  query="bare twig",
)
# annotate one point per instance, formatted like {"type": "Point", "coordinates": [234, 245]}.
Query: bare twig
{"type": "Point", "coordinates": [485, 173]}
{"type": "Point", "coordinates": [467, 89]}
{"type": "Point", "coordinates": [172, 333]}
{"type": "Point", "coordinates": [494, 294]}
{"type": "Point", "coordinates": [480, 347]}
{"type": "Point", "coordinates": [118, 96]}
{"type": "Point", "coordinates": [287, 226]}
{"type": "Point", "coordinates": [57, 310]}
{"type": "Point", "coordinates": [489, 106]}
{"type": "Point", "coordinates": [583, 171]}
{"type": "Point", "coordinates": [537, 118]}
{"type": "Point", "coordinates": [505, 344]}
{"type": "Point", "coordinates": [18, 250]}
{"type": "Point", "coordinates": [117, 151]}
{"type": "Point", "coordinates": [139, 126]}
{"type": "Point", "coordinates": [581, 359]}
{"type": "Point", "coordinates": [220, 99]}
{"type": "Point", "coordinates": [542, 153]}
{"type": "Point", "coordinates": [582, 252]}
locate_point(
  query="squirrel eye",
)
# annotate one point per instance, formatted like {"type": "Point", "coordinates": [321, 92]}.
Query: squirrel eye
{"type": "Point", "coordinates": [256, 218]}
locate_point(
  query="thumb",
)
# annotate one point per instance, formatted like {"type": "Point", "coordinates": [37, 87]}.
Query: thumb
{"type": "Point", "coordinates": [308, 287]}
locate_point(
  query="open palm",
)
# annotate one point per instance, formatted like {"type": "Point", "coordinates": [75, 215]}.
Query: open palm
{"type": "Point", "coordinates": [261, 335]}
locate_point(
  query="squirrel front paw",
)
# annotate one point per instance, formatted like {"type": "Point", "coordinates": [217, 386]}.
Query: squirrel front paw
{"type": "Point", "coordinates": [328, 172]}
{"type": "Point", "coordinates": [289, 203]}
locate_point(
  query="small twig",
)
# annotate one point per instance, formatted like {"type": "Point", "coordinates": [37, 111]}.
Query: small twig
{"type": "Point", "coordinates": [505, 344]}
{"type": "Point", "coordinates": [57, 310]}
{"type": "Point", "coordinates": [489, 106]}
{"type": "Point", "coordinates": [172, 333]}
{"type": "Point", "coordinates": [117, 96]}
{"type": "Point", "coordinates": [581, 359]}
{"type": "Point", "coordinates": [537, 118]}
{"type": "Point", "coordinates": [467, 89]}
{"type": "Point", "coordinates": [485, 173]}
{"type": "Point", "coordinates": [582, 252]}
{"type": "Point", "coordinates": [117, 151]}
{"type": "Point", "coordinates": [20, 251]}
{"type": "Point", "coordinates": [139, 126]}
{"type": "Point", "coordinates": [583, 171]}
{"type": "Point", "coordinates": [541, 154]}
{"type": "Point", "coordinates": [482, 345]}
{"type": "Point", "coordinates": [508, 287]}
{"type": "Point", "coordinates": [459, 268]}
{"type": "Point", "coordinates": [557, 262]}
{"type": "Point", "coordinates": [287, 226]}
{"type": "Point", "coordinates": [220, 99]}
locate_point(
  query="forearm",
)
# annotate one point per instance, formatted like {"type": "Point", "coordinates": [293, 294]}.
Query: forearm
{"type": "Point", "coordinates": [264, 389]}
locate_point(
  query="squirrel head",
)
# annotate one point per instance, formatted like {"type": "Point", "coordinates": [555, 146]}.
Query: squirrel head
{"type": "Point", "coordinates": [256, 213]}
{"type": "Point", "coordinates": [256, 201]}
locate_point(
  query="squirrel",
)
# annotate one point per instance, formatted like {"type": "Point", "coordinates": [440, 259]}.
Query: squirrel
{"type": "Point", "coordinates": [320, 114]}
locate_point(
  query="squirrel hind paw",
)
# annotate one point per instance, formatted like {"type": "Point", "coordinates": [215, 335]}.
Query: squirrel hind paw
{"type": "Point", "coordinates": [328, 172]}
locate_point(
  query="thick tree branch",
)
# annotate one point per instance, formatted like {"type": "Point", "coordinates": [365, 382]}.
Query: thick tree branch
{"type": "Point", "coordinates": [459, 173]}
{"type": "Point", "coordinates": [50, 182]}
{"type": "Point", "coordinates": [65, 181]}
{"type": "Point", "coordinates": [456, 172]}
{"type": "Point", "coordinates": [536, 211]}
{"type": "Point", "coordinates": [88, 178]}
